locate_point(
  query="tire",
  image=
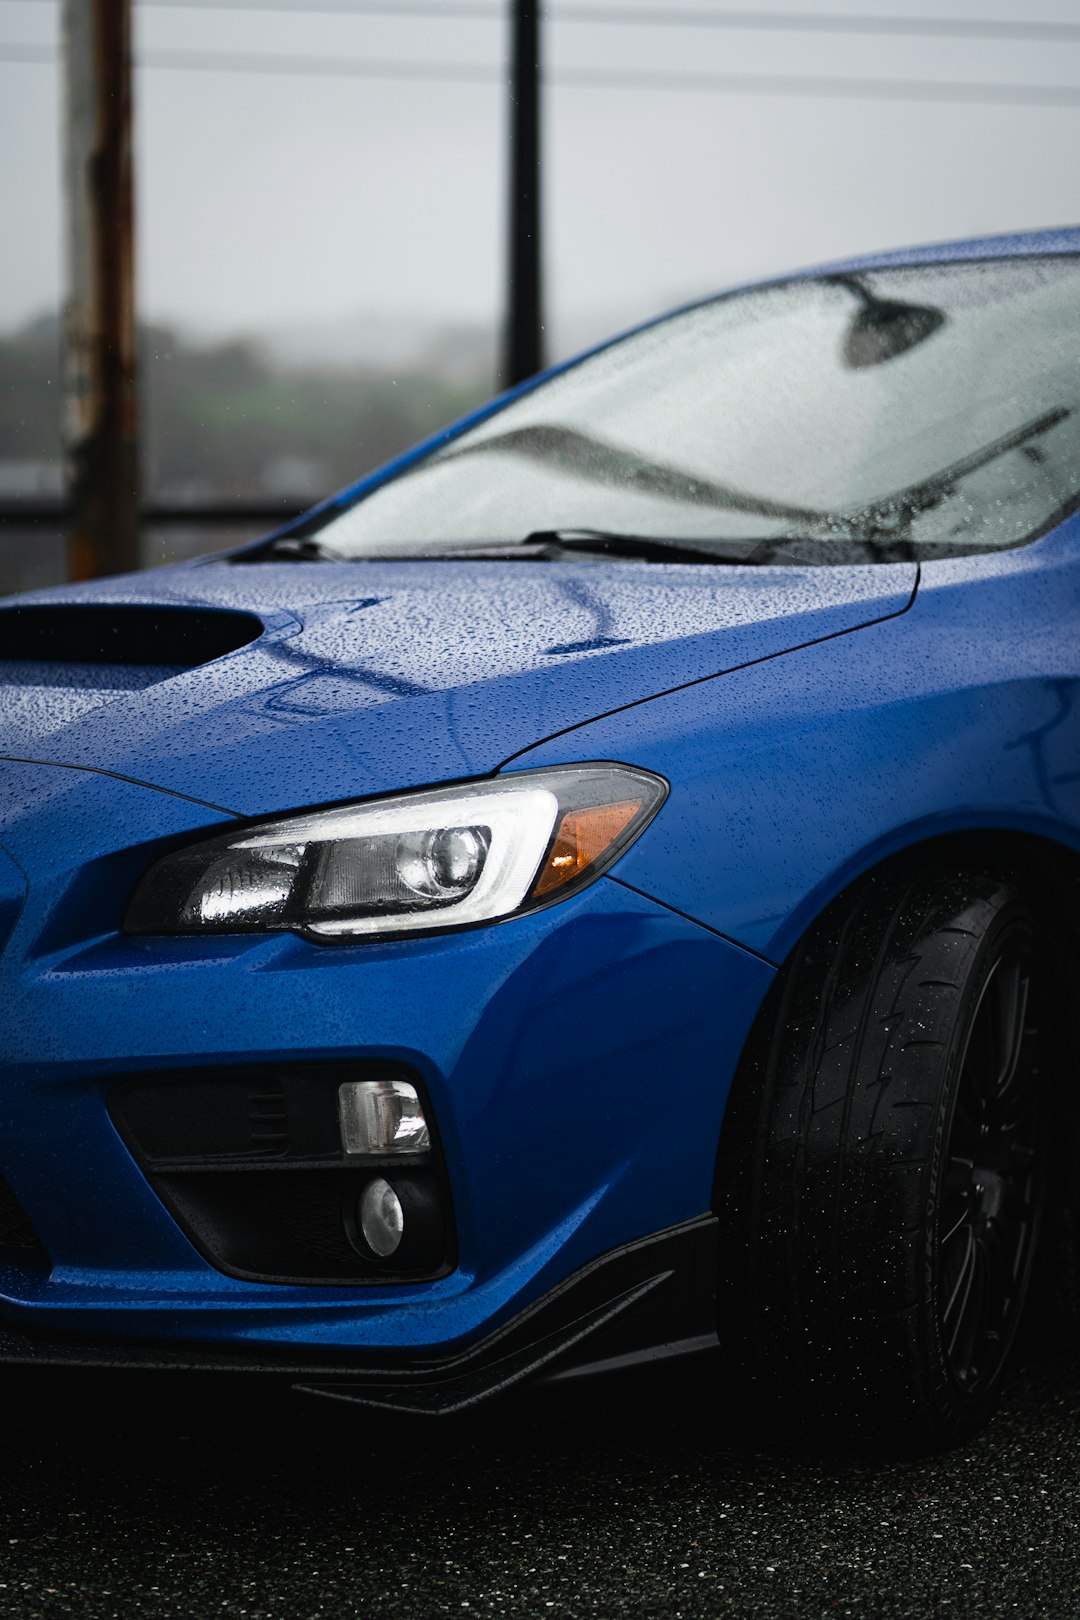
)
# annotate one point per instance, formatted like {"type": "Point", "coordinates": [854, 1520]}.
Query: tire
{"type": "Point", "coordinates": [882, 1168]}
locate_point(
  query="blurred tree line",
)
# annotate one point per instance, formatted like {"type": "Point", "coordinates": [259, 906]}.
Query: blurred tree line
{"type": "Point", "coordinates": [229, 419]}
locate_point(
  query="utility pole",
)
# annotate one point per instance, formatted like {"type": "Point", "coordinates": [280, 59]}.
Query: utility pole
{"type": "Point", "coordinates": [524, 351]}
{"type": "Point", "coordinates": [100, 404]}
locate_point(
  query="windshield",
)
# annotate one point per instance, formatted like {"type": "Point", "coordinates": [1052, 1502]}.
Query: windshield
{"type": "Point", "coordinates": [903, 413]}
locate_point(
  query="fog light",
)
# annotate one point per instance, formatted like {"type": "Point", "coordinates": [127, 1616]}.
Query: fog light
{"type": "Point", "coordinates": [382, 1219]}
{"type": "Point", "coordinates": [382, 1116]}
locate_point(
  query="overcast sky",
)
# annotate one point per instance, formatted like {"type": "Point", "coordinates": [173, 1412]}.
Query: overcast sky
{"type": "Point", "coordinates": [267, 200]}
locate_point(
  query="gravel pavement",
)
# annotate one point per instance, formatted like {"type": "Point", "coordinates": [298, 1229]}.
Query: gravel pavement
{"type": "Point", "coordinates": [171, 1496]}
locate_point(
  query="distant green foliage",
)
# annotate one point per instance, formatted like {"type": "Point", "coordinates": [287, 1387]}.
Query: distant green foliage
{"type": "Point", "coordinates": [227, 419]}
{"type": "Point", "coordinates": [31, 393]}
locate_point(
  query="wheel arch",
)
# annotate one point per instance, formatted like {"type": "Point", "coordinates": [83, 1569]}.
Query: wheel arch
{"type": "Point", "coordinates": [1039, 863]}
{"type": "Point", "coordinates": [1046, 871]}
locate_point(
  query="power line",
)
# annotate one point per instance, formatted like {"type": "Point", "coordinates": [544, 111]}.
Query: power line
{"type": "Point", "coordinates": [756, 84]}
{"type": "Point", "coordinates": [457, 11]}
{"type": "Point", "coordinates": [825, 22]}
{"type": "Point", "coordinates": [780, 84]}
{"type": "Point", "coordinates": [819, 22]}
{"type": "Point", "coordinates": [302, 66]}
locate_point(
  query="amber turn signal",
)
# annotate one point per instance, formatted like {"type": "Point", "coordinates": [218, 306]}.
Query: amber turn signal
{"type": "Point", "coordinates": [583, 837]}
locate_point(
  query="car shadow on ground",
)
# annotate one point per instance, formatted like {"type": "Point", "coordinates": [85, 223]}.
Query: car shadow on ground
{"type": "Point", "coordinates": [642, 1494]}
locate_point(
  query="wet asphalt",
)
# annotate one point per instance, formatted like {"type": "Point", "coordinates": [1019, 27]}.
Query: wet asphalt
{"type": "Point", "coordinates": [163, 1495]}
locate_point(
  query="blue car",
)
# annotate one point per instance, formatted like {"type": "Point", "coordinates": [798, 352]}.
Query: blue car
{"type": "Point", "coordinates": [603, 888]}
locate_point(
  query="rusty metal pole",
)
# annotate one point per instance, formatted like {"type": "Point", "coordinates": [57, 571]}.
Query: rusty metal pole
{"type": "Point", "coordinates": [101, 407]}
{"type": "Point", "coordinates": [524, 351]}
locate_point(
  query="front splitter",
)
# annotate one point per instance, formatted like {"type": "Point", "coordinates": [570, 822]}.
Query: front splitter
{"type": "Point", "coordinates": [650, 1298]}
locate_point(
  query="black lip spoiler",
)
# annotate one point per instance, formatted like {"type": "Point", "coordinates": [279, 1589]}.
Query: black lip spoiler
{"type": "Point", "coordinates": [650, 1299]}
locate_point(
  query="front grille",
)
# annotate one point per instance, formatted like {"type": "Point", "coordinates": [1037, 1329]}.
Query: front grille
{"type": "Point", "coordinates": [16, 1232]}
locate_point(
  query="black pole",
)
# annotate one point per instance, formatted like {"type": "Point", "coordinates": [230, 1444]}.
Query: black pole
{"type": "Point", "coordinates": [524, 352]}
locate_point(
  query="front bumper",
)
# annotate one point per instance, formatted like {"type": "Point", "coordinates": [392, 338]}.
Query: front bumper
{"type": "Point", "coordinates": [646, 1301]}
{"type": "Point", "coordinates": [577, 1062]}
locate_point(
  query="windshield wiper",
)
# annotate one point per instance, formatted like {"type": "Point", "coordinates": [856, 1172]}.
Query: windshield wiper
{"type": "Point", "coordinates": [891, 517]}
{"type": "Point", "coordinates": [545, 545]}
{"type": "Point", "coordinates": [653, 548]}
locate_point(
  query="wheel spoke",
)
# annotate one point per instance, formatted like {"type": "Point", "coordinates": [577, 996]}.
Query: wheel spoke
{"type": "Point", "coordinates": [1014, 1222]}
{"type": "Point", "coordinates": [1002, 1244]}
{"type": "Point", "coordinates": [980, 1059]}
{"type": "Point", "coordinates": [1000, 1010]}
{"type": "Point", "coordinates": [955, 1222]}
{"type": "Point", "coordinates": [1017, 1101]}
{"type": "Point", "coordinates": [971, 1314]}
{"type": "Point", "coordinates": [980, 1302]}
{"type": "Point", "coordinates": [995, 1045]}
{"type": "Point", "coordinates": [1010, 1005]}
{"type": "Point", "coordinates": [956, 1197]}
{"type": "Point", "coordinates": [953, 1314]}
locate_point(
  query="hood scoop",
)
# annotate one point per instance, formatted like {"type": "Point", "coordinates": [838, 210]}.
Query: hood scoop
{"type": "Point", "coordinates": [57, 662]}
{"type": "Point", "coordinates": [105, 635]}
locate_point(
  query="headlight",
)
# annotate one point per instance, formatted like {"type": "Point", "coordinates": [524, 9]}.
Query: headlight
{"type": "Point", "coordinates": [441, 858]}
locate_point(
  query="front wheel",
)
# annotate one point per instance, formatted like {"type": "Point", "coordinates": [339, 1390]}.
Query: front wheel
{"type": "Point", "coordinates": [882, 1169]}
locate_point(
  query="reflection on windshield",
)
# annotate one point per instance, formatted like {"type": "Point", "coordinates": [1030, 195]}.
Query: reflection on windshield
{"type": "Point", "coordinates": [938, 416]}
{"type": "Point", "coordinates": [884, 328]}
{"type": "Point", "coordinates": [583, 456]}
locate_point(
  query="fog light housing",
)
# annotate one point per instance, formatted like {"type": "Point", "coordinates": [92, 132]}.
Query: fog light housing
{"type": "Point", "coordinates": [381, 1218]}
{"type": "Point", "coordinates": [382, 1116]}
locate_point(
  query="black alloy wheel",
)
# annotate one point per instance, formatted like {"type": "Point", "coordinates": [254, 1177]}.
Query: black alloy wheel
{"type": "Point", "coordinates": [882, 1168]}
{"type": "Point", "coordinates": [994, 1174]}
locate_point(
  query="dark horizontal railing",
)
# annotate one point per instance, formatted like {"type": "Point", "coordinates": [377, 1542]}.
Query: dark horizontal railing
{"type": "Point", "coordinates": [57, 514]}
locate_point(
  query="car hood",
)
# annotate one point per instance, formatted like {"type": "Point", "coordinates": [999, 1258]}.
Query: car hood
{"type": "Point", "coordinates": [365, 677]}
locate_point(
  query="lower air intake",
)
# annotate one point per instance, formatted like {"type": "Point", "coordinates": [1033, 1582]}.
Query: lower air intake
{"type": "Point", "coordinates": [17, 1236]}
